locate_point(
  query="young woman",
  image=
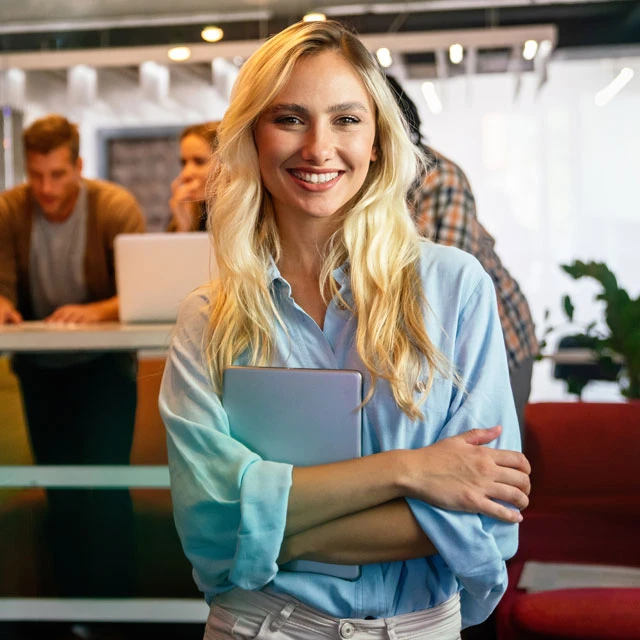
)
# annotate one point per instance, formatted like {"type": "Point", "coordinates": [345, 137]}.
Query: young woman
{"type": "Point", "coordinates": [197, 145]}
{"type": "Point", "coordinates": [321, 266]}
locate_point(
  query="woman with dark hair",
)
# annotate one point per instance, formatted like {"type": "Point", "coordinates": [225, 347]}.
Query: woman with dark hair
{"type": "Point", "coordinates": [198, 143]}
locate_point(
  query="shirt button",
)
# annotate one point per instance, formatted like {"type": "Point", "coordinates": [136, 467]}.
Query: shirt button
{"type": "Point", "coordinates": [421, 386]}
{"type": "Point", "coordinates": [341, 305]}
{"type": "Point", "coordinates": [347, 630]}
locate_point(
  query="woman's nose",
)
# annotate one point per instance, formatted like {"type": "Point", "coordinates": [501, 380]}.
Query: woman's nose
{"type": "Point", "coordinates": [318, 145]}
{"type": "Point", "coordinates": [187, 172]}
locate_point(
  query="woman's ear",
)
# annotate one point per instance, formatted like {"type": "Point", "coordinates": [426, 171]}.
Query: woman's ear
{"type": "Point", "coordinates": [374, 153]}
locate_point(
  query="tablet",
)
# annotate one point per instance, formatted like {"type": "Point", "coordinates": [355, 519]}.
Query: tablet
{"type": "Point", "coordinates": [298, 416]}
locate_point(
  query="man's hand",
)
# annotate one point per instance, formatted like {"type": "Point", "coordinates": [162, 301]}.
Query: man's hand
{"type": "Point", "coordinates": [8, 313]}
{"type": "Point", "coordinates": [86, 313]}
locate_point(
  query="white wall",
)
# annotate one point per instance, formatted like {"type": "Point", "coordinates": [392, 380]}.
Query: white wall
{"type": "Point", "coordinates": [554, 176]}
{"type": "Point", "coordinates": [555, 179]}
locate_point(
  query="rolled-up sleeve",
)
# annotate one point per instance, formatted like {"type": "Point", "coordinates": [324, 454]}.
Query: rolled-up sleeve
{"type": "Point", "coordinates": [475, 547]}
{"type": "Point", "coordinates": [230, 506]}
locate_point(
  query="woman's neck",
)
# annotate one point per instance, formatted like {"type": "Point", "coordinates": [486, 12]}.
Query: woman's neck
{"type": "Point", "coordinates": [301, 260]}
{"type": "Point", "coordinates": [303, 248]}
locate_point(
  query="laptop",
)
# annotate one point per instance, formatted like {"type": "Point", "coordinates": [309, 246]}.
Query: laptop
{"type": "Point", "coordinates": [299, 416]}
{"type": "Point", "coordinates": [155, 271]}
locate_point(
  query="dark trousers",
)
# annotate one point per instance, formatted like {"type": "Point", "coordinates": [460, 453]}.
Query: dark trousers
{"type": "Point", "coordinates": [85, 414]}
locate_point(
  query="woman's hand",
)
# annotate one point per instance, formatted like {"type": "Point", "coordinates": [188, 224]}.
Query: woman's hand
{"type": "Point", "coordinates": [183, 196]}
{"type": "Point", "coordinates": [460, 475]}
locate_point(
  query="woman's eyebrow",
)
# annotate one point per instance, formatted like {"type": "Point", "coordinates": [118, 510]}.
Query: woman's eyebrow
{"type": "Point", "coordinates": [303, 111]}
{"type": "Point", "coordinates": [290, 107]}
{"type": "Point", "coordinates": [348, 106]}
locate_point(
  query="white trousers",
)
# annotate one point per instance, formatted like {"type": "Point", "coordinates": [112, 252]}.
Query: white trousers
{"type": "Point", "coordinates": [249, 615]}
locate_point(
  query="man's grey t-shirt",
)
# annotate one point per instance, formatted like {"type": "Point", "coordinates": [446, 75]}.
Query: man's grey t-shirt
{"type": "Point", "coordinates": [56, 261]}
{"type": "Point", "coordinates": [56, 272]}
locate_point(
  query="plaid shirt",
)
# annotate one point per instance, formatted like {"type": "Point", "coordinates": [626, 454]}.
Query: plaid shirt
{"type": "Point", "coordinates": [444, 209]}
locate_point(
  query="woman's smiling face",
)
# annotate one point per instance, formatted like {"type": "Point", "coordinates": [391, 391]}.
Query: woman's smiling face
{"type": "Point", "coordinates": [316, 141]}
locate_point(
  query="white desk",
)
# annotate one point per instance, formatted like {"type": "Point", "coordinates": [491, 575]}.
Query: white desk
{"type": "Point", "coordinates": [114, 336]}
{"type": "Point", "coordinates": [104, 336]}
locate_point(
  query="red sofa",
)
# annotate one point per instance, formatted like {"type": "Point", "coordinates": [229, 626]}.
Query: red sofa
{"type": "Point", "coordinates": [585, 508]}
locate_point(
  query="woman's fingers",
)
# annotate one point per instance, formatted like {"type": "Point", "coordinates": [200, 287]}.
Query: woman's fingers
{"type": "Point", "coordinates": [511, 459]}
{"type": "Point", "coordinates": [499, 511]}
{"type": "Point", "coordinates": [513, 478]}
{"type": "Point", "coordinates": [509, 494]}
{"type": "Point", "coordinates": [481, 436]}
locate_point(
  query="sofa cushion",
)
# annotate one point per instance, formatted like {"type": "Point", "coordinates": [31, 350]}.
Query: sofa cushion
{"type": "Point", "coordinates": [583, 614]}
{"type": "Point", "coordinates": [584, 456]}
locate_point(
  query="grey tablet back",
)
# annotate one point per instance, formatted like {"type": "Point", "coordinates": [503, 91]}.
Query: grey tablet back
{"type": "Point", "coordinates": [299, 416]}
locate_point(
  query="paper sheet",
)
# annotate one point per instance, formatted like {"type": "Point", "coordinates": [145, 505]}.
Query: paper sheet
{"type": "Point", "coordinates": [546, 576]}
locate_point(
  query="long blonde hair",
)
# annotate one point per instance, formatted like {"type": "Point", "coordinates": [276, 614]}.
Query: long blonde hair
{"type": "Point", "coordinates": [377, 235]}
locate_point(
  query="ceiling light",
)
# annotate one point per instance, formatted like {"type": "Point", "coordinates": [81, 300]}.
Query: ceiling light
{"type": "Point", "coordinates": [614, 87]}
{"type": "Point", "coordinates": [384, 57]}
{"type": "Point", "coordinates": [179, 54]}
{"type": "Point", "coordinates": [530, 49]}
{"type": "Point", "coordinates": [456, 53]}
{"type": "Point", "coordinates": [314, 17]}
{"type": "Point", "coordinates": [212, 34]}
{"type": "Point", "coordinates": [431, 98]}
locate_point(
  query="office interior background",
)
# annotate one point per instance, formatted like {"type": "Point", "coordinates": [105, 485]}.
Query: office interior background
{"type": "Point", "coordinates": [551, 158]}
{"type": "Point", "coordinates": [548, 136]}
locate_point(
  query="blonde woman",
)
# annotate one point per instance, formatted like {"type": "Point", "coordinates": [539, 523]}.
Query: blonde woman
{"type": "Point", "coordinates": [321, 266]}
{"type": "Point", "coordinates": [198, 143]}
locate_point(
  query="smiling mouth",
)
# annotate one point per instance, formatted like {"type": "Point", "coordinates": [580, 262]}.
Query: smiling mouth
{"type": "Point", "coordinates": [314, 178]}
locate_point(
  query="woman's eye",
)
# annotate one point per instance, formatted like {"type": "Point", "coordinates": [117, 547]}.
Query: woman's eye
{"type": "Point", "coordinates": [348, 120]}
{"type": "Point", "coordinates": [288, 120]}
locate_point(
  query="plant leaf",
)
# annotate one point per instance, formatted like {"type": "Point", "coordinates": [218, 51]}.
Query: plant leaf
{"type": "Point", "coordinates": [568, 307]}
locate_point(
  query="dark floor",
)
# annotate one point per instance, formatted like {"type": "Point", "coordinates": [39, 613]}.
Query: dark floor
{"type": "Point", "coordinates": [99, 631]}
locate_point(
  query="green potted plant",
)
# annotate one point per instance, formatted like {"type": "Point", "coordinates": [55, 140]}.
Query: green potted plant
{"type": "Point", "coordinates": [618, 352]}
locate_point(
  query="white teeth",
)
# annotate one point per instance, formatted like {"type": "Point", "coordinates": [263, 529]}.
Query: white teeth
{"type": "Point", "coordinates": [315, 178]}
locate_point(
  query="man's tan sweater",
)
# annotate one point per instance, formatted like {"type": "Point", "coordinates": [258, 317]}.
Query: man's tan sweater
{"type": "Point", "coordinates": [111, 210]}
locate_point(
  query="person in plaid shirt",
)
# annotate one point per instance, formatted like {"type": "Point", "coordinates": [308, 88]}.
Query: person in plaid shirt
{"type": "Point", "coordinates": [444, 210]}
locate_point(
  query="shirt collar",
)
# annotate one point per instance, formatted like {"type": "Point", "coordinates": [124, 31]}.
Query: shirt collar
{"type": "Point", "coordinates": [340, 275]}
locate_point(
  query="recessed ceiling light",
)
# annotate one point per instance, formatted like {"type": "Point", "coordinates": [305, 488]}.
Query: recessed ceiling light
{"type": "Point", "coordinates": [314, 17]}
{"type": "Point", "coordinates": [530, 49]}
{"type": "Point", "coordinates": [384, 57]}
{"type": "Point", "coordinates": [212, 34]}
{"type": "Point", "coordinates": [456, 53]}
{"type": "Point", "coordinates": [179, 54]}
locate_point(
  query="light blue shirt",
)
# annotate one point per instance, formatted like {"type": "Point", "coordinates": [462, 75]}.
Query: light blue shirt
{"type": "Point", "coordinates": [230, 506]}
